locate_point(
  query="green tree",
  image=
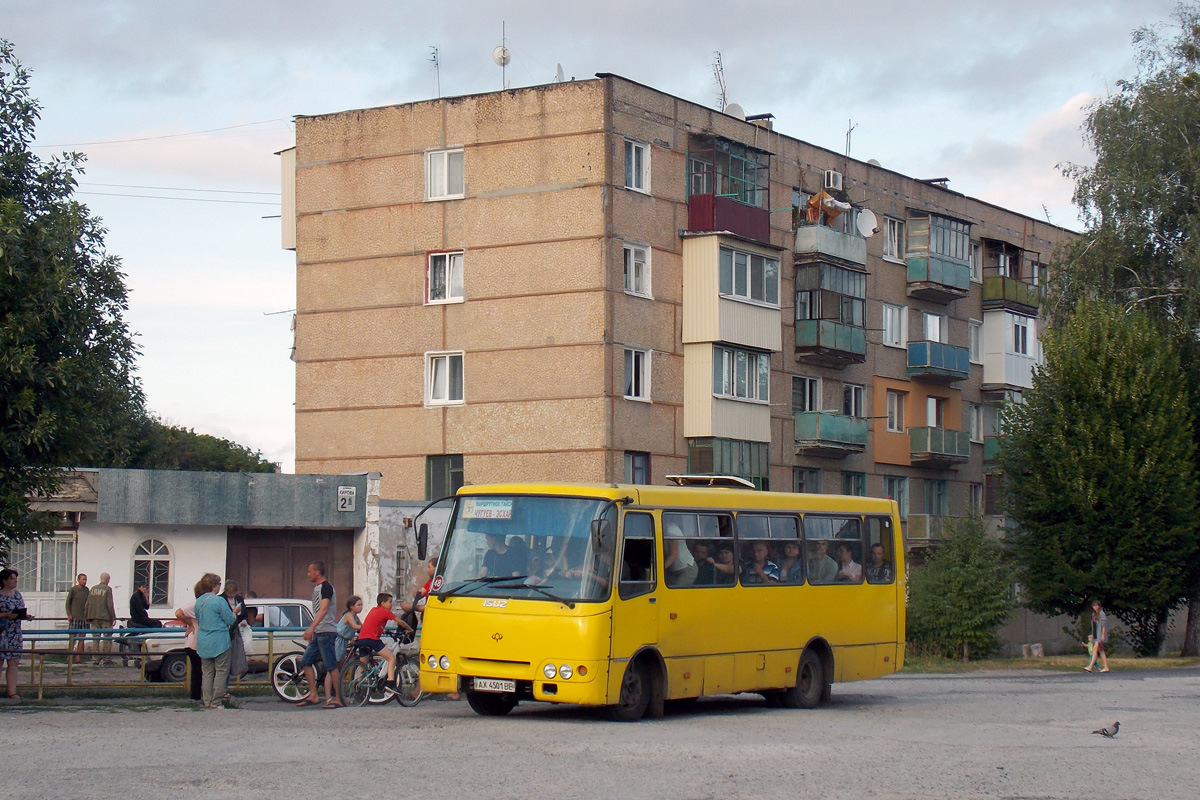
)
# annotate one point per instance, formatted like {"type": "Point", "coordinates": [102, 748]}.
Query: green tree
{"type": "Point", "coordinates": [1141, 204]}
{"type": "Point", "coordinates": [162, 446]}
{"type": "Point", "coordinates": [961, 594]}
{"type": "Point", "coordinates": [1100, 471]}
{"type": "Point", "coordinates": [67, 388]}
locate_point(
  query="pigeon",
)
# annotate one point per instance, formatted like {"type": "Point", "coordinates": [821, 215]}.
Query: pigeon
{"type": "Point", "coordinates": [1110, 732]}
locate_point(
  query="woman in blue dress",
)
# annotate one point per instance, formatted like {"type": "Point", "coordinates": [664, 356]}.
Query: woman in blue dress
{"type": "Point", "coordinates": [12, 611]}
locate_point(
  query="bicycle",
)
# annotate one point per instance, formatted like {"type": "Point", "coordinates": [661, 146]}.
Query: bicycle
{"type": "Point", "coordinates": [363, 680]}
{"type": "Point", "coordinates": [287, 676]}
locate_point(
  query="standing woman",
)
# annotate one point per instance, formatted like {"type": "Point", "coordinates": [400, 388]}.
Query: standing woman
{"type": "Point", "coordinates": [213, 620]}
{"type": "Point", "coordinates": [12, 611]}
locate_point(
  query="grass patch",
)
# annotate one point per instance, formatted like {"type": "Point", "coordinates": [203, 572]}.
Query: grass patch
{"type": "Point", "coordinates": [1070, 663]}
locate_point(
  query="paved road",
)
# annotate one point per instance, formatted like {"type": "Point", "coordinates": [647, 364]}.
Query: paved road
{"type": "Point", "coordinates": [999, 735]}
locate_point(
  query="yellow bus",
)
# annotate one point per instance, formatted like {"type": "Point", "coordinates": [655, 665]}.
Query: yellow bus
{"type": "Point", "coordinates": [629, 596]}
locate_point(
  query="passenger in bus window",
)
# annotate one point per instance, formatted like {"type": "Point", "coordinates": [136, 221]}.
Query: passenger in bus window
{"type": "Point", "coordinates": [821, 568]}
{"type": "Point", "coordinates": [759, 568]}
{"type": "Point", "coordinates": [879, 570]}
{"type": "Point", "coordinates": [501, 558]}
{"type": "Point", "coordinates": [706, 572]}
{"type": "Point", "coordinates": [680, 566]}
{"type": "Point", "coordinates": [791, 567]}
{"type": "Point", "coordinates": [849, 570]}
{"type": "Point", "coordinates": [725, 567]}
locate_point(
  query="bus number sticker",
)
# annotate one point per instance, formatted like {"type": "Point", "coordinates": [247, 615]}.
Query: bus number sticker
{"type": "Point", "coordinates": [487, 508]}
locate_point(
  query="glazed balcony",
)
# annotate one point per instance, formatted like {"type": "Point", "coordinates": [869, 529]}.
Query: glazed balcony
{"type": "Point", "coordinates": [828, 434]}
{"type": "Point", "coordinates": [927, 527]}
{"type": "Point", "coordinates": [711, 212]}
{"type": "Point", "coordinates": [939, 448]}
{"type": "Point", "coordinates": [991, 448]}
{"type": "Point", "coordinates": [824, 241]}
{"type": "Point", "coordinates": [826, 343]}
{"type": "Point", "coordinates": [1003, 292]}
{"type": "Point", "coordinates": [937, 279]}
{"type": "Point", "coordinates": [938, 363]}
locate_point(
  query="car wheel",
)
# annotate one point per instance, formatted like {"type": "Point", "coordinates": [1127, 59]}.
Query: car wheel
{"type": "Point", "coordinates": [636, 687]}
{"type": "Point", "coordinates": [174, 668]}
{"type": "Point", "coordinates": [287, 679]}
{"type": "Point", "coordinates": [810, 683]}
{"type": "Point", "coordinates": [492, 704]}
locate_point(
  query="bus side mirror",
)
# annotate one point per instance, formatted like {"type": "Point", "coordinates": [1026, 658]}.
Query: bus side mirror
{"type": "Point", "coordinates": [601, 529]}
{"type": "Point", "coordinates": [422, 541]}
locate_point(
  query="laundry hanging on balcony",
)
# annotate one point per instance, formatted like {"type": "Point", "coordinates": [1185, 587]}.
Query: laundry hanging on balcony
{"type": "Point", "coordinates": [824, 202]}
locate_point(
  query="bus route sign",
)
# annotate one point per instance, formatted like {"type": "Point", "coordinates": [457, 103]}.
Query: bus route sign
{"type": "Point", "coordinates": [487, 508]}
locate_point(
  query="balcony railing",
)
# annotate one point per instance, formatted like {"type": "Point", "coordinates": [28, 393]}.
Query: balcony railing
{"type": "Point", "coordinates": [825, 241]}
{"type": "Point", "coordinates": [1003, 292]}
{"type": "Point", "coordinates": [939, 448]}
{"type": "Point", "coordinates": [831, 344]}
{"type": "Point", "coordinates": [937, 279]}
{"type": "Point", "coordinates": [825, 433]}
{"type": "Point", "coordinates": [991, 448]}
{"type": "Point", "coordinates": [928, 527]}
{"type": "Point", "coordinates": [709, 212]}
{"type": "Point", "coordinates": [942, 363]}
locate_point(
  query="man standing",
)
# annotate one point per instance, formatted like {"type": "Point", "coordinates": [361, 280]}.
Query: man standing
{"type": "Point", "coordinates": [101, 615]}
{"type": "Point", "coordinates": [321, 636]}
{"type": "Point", "coordinates": [77, 597]}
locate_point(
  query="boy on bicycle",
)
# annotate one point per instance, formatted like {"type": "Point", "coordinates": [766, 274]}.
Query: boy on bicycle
{"type": "Point", "coordinates": [371, 632]}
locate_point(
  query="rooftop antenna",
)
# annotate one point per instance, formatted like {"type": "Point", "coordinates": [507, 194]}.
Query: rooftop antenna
{"type": "Point", "coordinates": [501, 56]}
{"type": "Point", "coordinates": [719, 74]}
{"type": "Point", "coordinates": [433, 59]}
{"type": "Point", "coordinates": [850, 126]}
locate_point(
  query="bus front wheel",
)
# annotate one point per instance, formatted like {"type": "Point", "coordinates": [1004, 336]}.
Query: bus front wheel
{"type": "Point", "coordinates": [491, 704]}
{"type": "Point", "coordinates": [810, 683]}
{"type": "Point", "coordinates": [636, 687]}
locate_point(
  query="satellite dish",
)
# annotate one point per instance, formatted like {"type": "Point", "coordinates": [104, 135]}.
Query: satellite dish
{"type": "Point", "coordinates": [501, 55]}
{"type": "Point", "coordinates": [558, 74]}
{"type": "Point", "coordinates": [868, 225]}
{"type": "Point", "coordinates": [873, 162]}
{"type": "Point", "coordinates": [734, 110]}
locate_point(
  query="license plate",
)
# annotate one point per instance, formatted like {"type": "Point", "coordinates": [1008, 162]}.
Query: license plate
{"type": "Point", "coordinates": [494, 685]}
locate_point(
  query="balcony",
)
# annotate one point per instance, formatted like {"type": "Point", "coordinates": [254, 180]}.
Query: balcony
{"type": "Point", "coordinates": [826, 343]}
{"type": "Point", "coordinates": [822, 240]}
{"type": "Point", "coordinates": [939, 448]}
{"type": "Point", "coordinates": [710, 212]}
{"type": "Point", "coordinates": [827, 434]}
{"type": "Point", "coordinates": [1003, 292]}
{"type": "Point", "coordinates": [928, 527]}
{"type": "Point", "coordinates": [938, 363]}
{"type": "Point", "coordinates": [937, 279]}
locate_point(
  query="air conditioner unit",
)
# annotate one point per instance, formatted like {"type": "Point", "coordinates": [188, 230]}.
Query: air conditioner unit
{"type": "Point", "coordinates": [833, 179]}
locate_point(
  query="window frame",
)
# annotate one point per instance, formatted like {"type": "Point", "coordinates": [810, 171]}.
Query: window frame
{"type": "Point", "coordinates": [448, 257]}
{"type": "Point", "coordinates": [449, 465]}
{"type": "Point", "coordinates": [937, 497]}
{"type": "Point", "coordinates": [975, 422]}
{"type": "Point", "coordinates": [893, 314]}
{"type": "Point", "coordinates": [894, 405]}
{"type": "Point", "coordinates": [1020, 334]}
{"type": "Point", "coordinates": [435, 193]}
{"type": "Point", "coordinates": [160, 597]}
{"type": "Point", "coordinates": [854, 399]}
{"type": "Point", "coordinates": [854, 484]}
{"type": "Point", "coordinates": [637, 175]}
{"type": "Point", "coordinates": [896, 488]}
{"type": "Point", "coordinates": [432, 357]}
{"type": "Point", "coordinates": [634, 287]}
{"type": "Point", "coordinates": [636, 462]}
{"type": "Point", "coordinates": [811, 393]}
{"type": "Point", "coordinates": [935, 411]}
{"type": "Point", "coordinates": [640, 358]}
{"type": "Point", "coordinates": [730, 374]}
{"type": "Point", "coordinates": [893, 240]}
{"type": "Point", "coordinates": [38, 563]}
{"type": "Point", "coordinates": [934, 327]}
{"type": "Point", "coordinates": [975, 341]}
{"type": "Point", "coordinates": [801, 477]}
{"type": "Point", "coordinates": [730, 272]}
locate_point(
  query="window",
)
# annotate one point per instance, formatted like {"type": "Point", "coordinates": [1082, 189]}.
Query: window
{"type": "Point", "coordinates": [637, 269]}
{"type": "Point", "coordinates": [896, 487]}
{"type": "Point", "coordinates": [729, 170]}
{"type": "Point", "coordinates": [826, 291]}
{"type": "Point", "coordinates": [152, 567]}
{"type": "Point", "coordinates": [852, 399]}
{"type": "Point", "coordinates": [715, 456]}
{"type": "Point", "coordinates": [854, 483]}
{"type": "Point", "coordinates": [976, 262]}
{"type": "Point", "coordinates": [44, 565]}
{"type": "Point", "coordinates": [826, 536]}
{"type": "Point", "coordinates": [770, 550]}
{"type": "Point", "coordinates": [878, 560]}
{"type": "Point", "coordinates": [444, 174]}
{"type": "Point", "coordinates": [443, 378]}
{"type": "Point", "coordinates": [893, 325]}
{"type": "Point", "coordinates": [1035, 273]}
{"type": "Point", "coordinates": [975, 341]}
{"type": "Point", "coordinates": [689, 540]}
{"type": "Point", "coordinates": [935, 412]}
{"type": "Point", "coordinates": [895, 411]}
{"type": "Point", "coordinates": [700, 175]}
{"type": "Point", "coordinates": [976, 496]}
{"type": "Point", "coordinates": [637, 374]}
{"type": "Point", "coordinates": [741, 374]}
{"type": "Point", "coordinates": [444, 281]}
{"type": "Point", "coordinates": [637, 166]}
{"type": "Point", "coordinates": [1003, 264]}
{"type": "Point", "coordinates": [637, 467]}
{"type": "Point", "coordinates": [806, 480]}
{"type": "Point", "coordinates": [893, 239]}
{"type": "Point", "coordinates": [443, 475]}
{"type": "Point", "coordinates": [638, 563]}
{"type": "Point", "coordinates": [749, 276]}
{"type": "Point", "coordinates": [975, 421]}
{"type": "Point", "coordinates": [806, 393]}
{"type": "Point", "coordinates": [1020, 328]}
{"type": "Point", "coordinates": [937, 498]}
{"type": "Point", "coordinates": [935, 327]}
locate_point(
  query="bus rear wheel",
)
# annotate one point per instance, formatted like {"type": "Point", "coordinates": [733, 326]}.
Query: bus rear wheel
{"type": "Point", "coordinates": [810, 683]}
{"type": "Point", "coordinates": [636, 687]}
{"type": "Point", "coordinates": [491, 704]}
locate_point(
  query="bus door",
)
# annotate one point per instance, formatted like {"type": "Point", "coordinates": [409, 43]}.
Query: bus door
{"type": "Point", "coordinates": [635, 608]}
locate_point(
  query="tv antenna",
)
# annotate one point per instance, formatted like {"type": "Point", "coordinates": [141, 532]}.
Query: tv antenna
{"type": "Point", "coordinates": [719, 75]}
{"type": "Point", "coordinates": [433, 59]}
{"type": "Point", "coordinates": [502, 56]}
{"type": "Point", "coordinates": [850, 126]}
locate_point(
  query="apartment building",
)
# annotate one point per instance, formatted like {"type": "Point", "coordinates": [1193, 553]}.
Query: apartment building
{"type": "Point", "coordinates": [597, 281]}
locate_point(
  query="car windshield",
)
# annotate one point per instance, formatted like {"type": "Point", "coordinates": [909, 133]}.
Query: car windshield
{"type": "Point", "coordinates": [520, 546]}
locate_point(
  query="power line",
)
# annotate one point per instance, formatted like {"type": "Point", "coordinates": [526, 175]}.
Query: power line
{"type": "Point", "coordinates": [164, 136]}
{"type": "Point", "coordinates": [190, 199]}
{"type": "Point", "coordinates": [178, 189]}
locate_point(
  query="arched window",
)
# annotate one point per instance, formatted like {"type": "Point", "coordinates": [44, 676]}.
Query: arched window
{"type": "Point", "coordinates": [152, 566]}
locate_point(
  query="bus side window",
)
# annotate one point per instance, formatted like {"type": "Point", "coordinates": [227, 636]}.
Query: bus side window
{"type": "Point", "coordinates": [878, 566]}
{"type": "Point", "coordinates": [637, 557]}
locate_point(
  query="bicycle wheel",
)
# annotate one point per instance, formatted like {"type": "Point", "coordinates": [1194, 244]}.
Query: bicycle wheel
{"type": "Point", "coordinates": [287, 679]}
{"type": "Point", "coordinates": [354, 682]}
{"type": "Point", "coordinates": [376, 675]}
{"type": "Point", "coordinates": [408, 683]}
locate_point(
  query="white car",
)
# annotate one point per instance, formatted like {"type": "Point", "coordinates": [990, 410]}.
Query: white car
{"type": "Point", "coordinates": [273, 612]}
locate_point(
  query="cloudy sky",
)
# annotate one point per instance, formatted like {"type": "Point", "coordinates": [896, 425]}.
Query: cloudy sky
{"type": "Point", "coordinates": [180, 107]}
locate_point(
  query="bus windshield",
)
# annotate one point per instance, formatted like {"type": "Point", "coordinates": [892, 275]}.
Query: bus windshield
{"type": "Point", "coordinates": [528, 547]}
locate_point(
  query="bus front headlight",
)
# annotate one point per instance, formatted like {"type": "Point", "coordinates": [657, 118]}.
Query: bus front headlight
{"type": "Point", "coordinates": [565, 672]}
{"type": "Point", "coordinates": [444, 662]}
{"type": "Point", "coordinates": [432, 661]}
{"type": "Point", "coordinates": [550, 671]}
